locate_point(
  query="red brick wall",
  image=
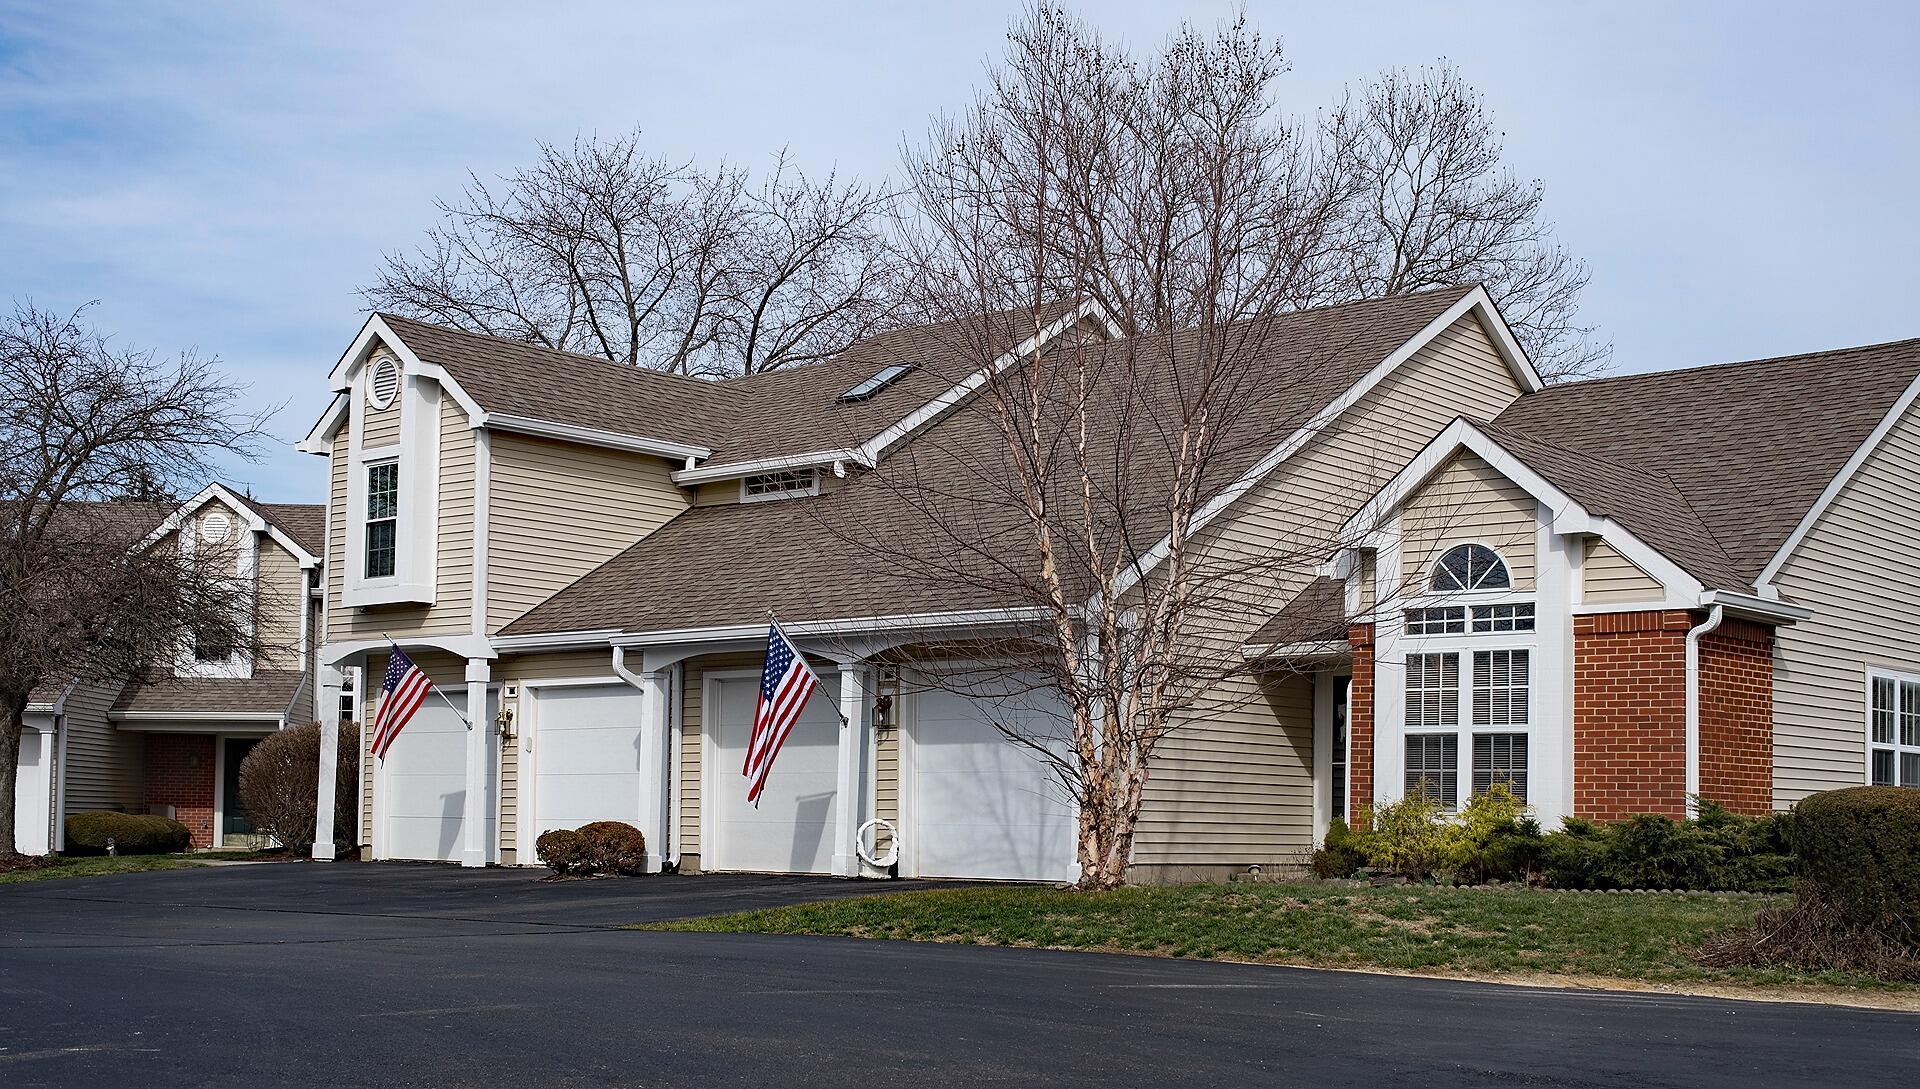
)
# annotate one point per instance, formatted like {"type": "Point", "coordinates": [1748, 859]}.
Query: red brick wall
{"type": "Point", "coordinates": [180, 774]}
{"type": "Point", "coordinates": [1360, 724]}
{"type": "Point", "coordinates": [1736, 716]}
{"type": "Point", "coordinates": [1629, 714]}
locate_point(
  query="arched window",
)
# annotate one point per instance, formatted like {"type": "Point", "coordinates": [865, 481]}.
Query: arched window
{"type": "Point", "coordinates": [1470, 567]}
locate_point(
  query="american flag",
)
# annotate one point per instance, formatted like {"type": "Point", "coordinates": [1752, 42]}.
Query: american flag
{"type": "Point", "coordinates": [401, 694]}
{"type": "Point", "coordinates": [785, 683]}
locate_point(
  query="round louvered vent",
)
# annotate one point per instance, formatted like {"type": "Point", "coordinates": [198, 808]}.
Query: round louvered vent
{"type": "Point", "coordinates": [215, 527]}
{"type": "Point", "coordinates": [383, 382]}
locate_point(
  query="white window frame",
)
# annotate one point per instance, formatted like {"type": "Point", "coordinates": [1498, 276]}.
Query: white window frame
{"type": "Point", "coordinates": [1899, 679]}
{"type": "Point", "coordinates": [812, 486]}
{"type": "Point", "coordinates": [367, 520]}
{"type": "Point", "coordinates": [1429, 590]}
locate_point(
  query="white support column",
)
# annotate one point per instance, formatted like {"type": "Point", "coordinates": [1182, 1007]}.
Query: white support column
{"type": "Point", "coordinates": [480, 785]}
{"type": "Point", "coordinates": [329, 773]}
{"type": "Point", "coordinates": [850, 801]}
{"type": "Point", "coordinates": [654, 704]}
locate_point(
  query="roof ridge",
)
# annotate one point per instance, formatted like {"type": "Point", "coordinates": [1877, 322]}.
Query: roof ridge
{"type": "Point", "coordinates": [640, 368]}
{"type": "Point", "coordinates": [1697, 368]}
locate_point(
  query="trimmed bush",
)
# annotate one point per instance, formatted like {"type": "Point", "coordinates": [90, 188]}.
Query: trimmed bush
{"type": "Point", "coordinates": [1493, 840]}
{"type": "Point", "coordinates": [1719, 851]}
{"type": "Point", "coordinates": [280, 786]}
{"type": "Point", "coordinates": [603, 847]}
{"type": "Point", "coordinates": [131, 833]}
{"type": "Point", "coordinates": [1340, 854]}
{"type": "Point", "coordinates": [1859, 854]}
{"type": "Point", "coordinates": [1409, 837]}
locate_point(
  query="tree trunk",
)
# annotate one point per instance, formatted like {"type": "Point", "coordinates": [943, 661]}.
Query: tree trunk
{"type": "Point", "coordinates": [12, 721]}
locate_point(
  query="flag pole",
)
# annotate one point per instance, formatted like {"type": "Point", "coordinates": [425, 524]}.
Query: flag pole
{"type": "Point", "coordinates": [834, 701]}
{"type": "Point", "coordinates": [434, 687]}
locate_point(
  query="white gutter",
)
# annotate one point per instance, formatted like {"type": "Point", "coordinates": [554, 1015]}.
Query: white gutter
{"type": "Point", "coordinates": [734, 470]}
{"type": "Point", "coordinates": [856, 625]}
{"type": "Point", "coordinates": [1692, 785]}
{"type": "Point", "coordinates": [560, 640]}
{"type": "Point", "coordinates": [1767, 610]}
{"type": "Point", "coordinates": [549, 429]}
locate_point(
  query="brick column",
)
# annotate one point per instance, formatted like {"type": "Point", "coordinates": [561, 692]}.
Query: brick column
{"type": "Point", "coordinates": [1360, 725]}
{"type": "Point", "coordinates": [1629, 714]}
{"type": "Point", "coordinates": [1736, 716]}
{"type": "Point", "coordinates": [180, 774]}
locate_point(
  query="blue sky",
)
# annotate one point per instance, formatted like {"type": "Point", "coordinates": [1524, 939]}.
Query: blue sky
{"type": "Point", "coordinates": [1741, 177]}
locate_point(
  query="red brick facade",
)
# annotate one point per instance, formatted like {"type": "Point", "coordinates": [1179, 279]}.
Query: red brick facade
{"type": "Point", "coordinates": [1736, 716]}
{"type": "Point", "coordinates": [1629, 714]}
{"type": "Point", "coordinates": [1360, 723]}
{"type": "Point", "coordinates": [180, 774]}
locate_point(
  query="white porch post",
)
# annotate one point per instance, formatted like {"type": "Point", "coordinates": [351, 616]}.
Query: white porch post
{"type": "Point", "coordinates": [654, 703]}
{"type": "Point", "coordinates": [473, 850]}
{"type": "Point", "coordinates": [850, 804]}
{"type": "Point", "coordinates": [329, 678]}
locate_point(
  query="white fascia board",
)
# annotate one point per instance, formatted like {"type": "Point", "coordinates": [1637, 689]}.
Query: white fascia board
{"type": "Point", "coordinates": [180, 514]}
{"type": "Point", "coordinates": [734, 470]}
{"type": "Point", "coordinates": [460, 646]}
{"type": "Point", "coordinates": [559, 640]}
{"type": "Point", "coordinates": [319, 438]}
{"type": "Point", "coordinates": [1475, 301]}
{"type": "Point", "coordinates": [847, 626]}
{"type": "Point", "coordinates": [876, 447]}
{"type": "Point", "coordinates": [1751, 607]}
{"type": "Point", "coordinates": [1569, 516]}
{"type": "Point", "coordinates": [194, 716]}
{"type": "Point", "coordinates": [1836, 486]}
{"type": "Point", "coordinates": [590, 436]}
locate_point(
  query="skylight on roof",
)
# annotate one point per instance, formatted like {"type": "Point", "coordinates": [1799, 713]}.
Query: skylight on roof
{"type": "Point", "coordinates": [882, 378]}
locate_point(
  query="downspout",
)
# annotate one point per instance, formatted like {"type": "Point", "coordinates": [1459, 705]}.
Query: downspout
{"type": "Point", "coordinates": [669, 856]}
{"type": "Point", "coordinates": [1714, 616]}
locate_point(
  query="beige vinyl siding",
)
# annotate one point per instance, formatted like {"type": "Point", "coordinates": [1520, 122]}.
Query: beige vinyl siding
{"type": "Point", "coordinates": [518, 671]}
{"type": "Point", "coordinates": [281, 593]}
{"type": "Point", "coordinates": [1607, 577]}
{"type": "Point", "coordinates": [1468, 501]}
{"type": "Point", "coordinates": [886, 773]}
{"type": "Point", "coordinates": [558, 510]}
{"type": "Point", "coordinates": [378, 426]}
{"type": "Point", "coordinates": [105, 767]}
{"type": "Point", "coordinates": [1857, 570]}
{"type": "Point", "coordinates": [452, 610]}
{"type": "Point", "coordinates": [1231, 785]}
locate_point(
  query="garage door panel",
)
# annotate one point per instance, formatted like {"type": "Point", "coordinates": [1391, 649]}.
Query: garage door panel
{"type": "Point", "coordinates": [424, 781]}
{"type": "Point", "coordinates": [791, 831]}
{"type": "Point", "coordinates": [986, 806]}
{"type": "Point", "coordinates": [588, 756]}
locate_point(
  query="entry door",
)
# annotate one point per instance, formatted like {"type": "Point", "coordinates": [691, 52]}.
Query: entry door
{"type": "Point", "coordinates": [423, 782]}
{"type": "Point", "coordinates": [32, 801]}
{"type": "Point", "coordinates": [235, 821]}
{"type": "Point", "coordinates": [586, 749]}
{"type": "Point", "coordinates": [984, 806]}
{"type": "Point", "coordinates": [791, 831]}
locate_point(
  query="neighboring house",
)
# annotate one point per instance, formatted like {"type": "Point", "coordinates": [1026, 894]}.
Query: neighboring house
{"type": "Point", "coordinates": [171, 742]}
{"type": "Point", "coordinates": [584, 553]}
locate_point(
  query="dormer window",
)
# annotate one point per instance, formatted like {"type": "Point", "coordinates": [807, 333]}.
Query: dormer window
{"type": "Point", "coordinates": [882, 378]}
{"type": "Point", "coordinates": [1470, 567]}
{"type": "Point", "coordinates": [383, 519]}
{"type": "Point", "coordinates": [785, 484]}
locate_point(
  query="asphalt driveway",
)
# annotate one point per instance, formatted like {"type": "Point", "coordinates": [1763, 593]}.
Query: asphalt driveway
{"type": "Point", "coordinates": [420, 976]}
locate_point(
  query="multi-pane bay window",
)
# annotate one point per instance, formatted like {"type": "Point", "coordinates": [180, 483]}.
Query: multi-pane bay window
{"type": "Point", "coordinates": [1893, 729]}
{"type": "Point", "coordinates": [383, 519]}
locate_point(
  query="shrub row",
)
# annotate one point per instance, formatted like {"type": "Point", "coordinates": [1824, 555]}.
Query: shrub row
{"type": "Point", "coordinates": [132, 833]}
{"type": "Point", "coordinates": [1493, 840]}
{"type": "Point", "coordinates": [604, 847]}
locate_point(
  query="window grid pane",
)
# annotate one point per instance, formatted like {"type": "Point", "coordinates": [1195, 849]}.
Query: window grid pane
{"type": "Point", "coordinates": [1910, 769]}
{"type": "Point", "coordinates": [1883, 767]}
{"type": "Point", "coordinates": [1910, 713]}
{"type": "Point", "coordinates": [383, 490]}
{"type": "Point", "coordinates": [1500, 758]}
{"type": "Point", "coordinates": [1443, 620]}
{"type": "Point", "coordinates": [381, 549]}
{"type": "Point", "coordinates": [1502, 618]}
{"type": "Point", "coordinates": [1500, 687]}
{"type": "Point", "coordinates": [1883, 710]}
{"type": "Point", "coordinates": [1433, 690]}
{"type": "Point", "coordinates": [1432, 767]}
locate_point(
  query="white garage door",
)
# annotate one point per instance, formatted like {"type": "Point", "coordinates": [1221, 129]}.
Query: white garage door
{"type": "Point", "coordinates": [423, 782]}
{"type": "Point", "coordinates": [792, 830]}
{"type": "Point", "coordinates": [31, 801]}
{"type": "Point", "coordinates": [586, 753]}
{"type": "Point", "coordinates": [983, 806]}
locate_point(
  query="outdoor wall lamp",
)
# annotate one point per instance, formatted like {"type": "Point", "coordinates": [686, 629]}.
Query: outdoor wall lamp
{"type": "Point", "coordinates": [504, 723]}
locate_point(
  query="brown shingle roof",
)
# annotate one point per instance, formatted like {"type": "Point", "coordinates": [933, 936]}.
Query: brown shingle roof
{"type": "Point", "coordinates": [517, 379]}
{"type": "Point", "coordinates": [268, 692]}
{"type": "Point", "coordinates": [714, 566]}
{"type": "Point", "coordinates": [1318, 614]}
{"type": "Point", "coordinates": [306, 523]}
{"type": "Point", "coordinates": [1713, 466]}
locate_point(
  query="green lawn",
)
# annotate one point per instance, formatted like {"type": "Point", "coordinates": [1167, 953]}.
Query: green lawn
{"type": "Point", "coordinates": [1420, 929]}
{"type": "Point", "coordinates": [95, 867]}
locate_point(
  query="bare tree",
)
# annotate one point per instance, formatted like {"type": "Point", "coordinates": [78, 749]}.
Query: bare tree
{"type": "Point", "coordinates": [1400, 188]}
{"type": "Point", "coordinates": [599, 248]}
{"type": "Point", "coordinates": [93, 441]}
